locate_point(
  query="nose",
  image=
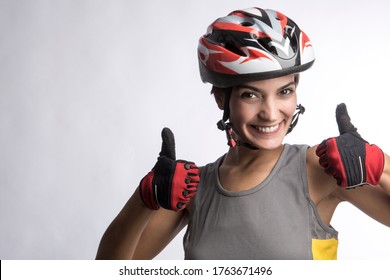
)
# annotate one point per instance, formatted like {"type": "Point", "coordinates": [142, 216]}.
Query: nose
{"type": "Point", "coordinates": [268, 110]}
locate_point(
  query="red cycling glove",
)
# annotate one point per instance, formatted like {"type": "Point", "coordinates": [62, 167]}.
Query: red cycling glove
{"type": "Point", "coordinates": [350, 159]}
{"type": "Point", "coordinates": [171, 183]}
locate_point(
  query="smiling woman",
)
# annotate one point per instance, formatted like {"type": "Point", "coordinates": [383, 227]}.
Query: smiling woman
{"type": "Point", "coordinates": [86, 87]}
{"type": "Point", "coordinates": [261, 111]}
{"type": "Point", "coordinates": [262, 199]}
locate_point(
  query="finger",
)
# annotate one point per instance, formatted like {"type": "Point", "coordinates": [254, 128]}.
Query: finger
{"type": "Point", "coordinates": [168, 144]}
{"type": "Point", "coordinates": [338, 180]}
{"type": "Point", "coordinates": [324, 161]}
{"type": "Point", "coordinates": [322, 148]}
{"type": "Point", "coordinates": [343, 120]}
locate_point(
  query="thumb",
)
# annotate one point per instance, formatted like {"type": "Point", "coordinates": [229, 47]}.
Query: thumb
{"type": "Point", "coordinates": [168, 144]}
{"type": "Point", "coordinates": [343, 120]}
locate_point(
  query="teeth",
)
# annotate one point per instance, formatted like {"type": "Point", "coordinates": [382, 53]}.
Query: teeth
{"type": "Point", "coordinates": [267, 129]}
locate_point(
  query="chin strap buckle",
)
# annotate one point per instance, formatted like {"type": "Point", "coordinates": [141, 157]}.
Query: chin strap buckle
{"type": "Point", "coordinates": [227, 127]}
{"type": "Point", "coordinates": [300, 110]}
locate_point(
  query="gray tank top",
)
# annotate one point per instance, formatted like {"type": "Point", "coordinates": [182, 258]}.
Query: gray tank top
{"type": "Point", "coordinates": [274, 220]}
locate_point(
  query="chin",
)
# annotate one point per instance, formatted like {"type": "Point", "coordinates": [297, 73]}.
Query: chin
{"type": "Point", "coordinates": [269, 141]}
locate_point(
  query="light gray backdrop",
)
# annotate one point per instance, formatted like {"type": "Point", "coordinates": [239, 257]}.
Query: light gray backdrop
{"type": "Point", "coordinates": [86, 86]}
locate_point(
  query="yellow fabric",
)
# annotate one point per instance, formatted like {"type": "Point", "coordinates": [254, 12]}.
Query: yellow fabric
{"type": "Point", "coordinates": [324, 249]}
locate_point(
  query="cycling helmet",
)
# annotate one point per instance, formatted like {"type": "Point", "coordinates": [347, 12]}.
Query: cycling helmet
{"type": "Point", "coordinates": [248, 45]}
{"type": "Point", "coordinates": [252, 44]}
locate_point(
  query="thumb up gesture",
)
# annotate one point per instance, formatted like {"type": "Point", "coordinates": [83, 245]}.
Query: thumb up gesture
{"type": "Point", "coordinates": [350, 159]}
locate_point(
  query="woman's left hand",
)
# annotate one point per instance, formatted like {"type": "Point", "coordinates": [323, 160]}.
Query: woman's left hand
{"type": "Point", "coordinates": [350, 159]}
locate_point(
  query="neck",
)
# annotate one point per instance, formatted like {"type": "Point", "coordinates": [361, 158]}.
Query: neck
{"type": "Point", "coordinates": [242, 156]}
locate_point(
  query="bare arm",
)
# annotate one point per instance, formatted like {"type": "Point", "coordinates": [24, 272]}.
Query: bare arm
{"type": "Point", "coordinates": [372, 200]}
{"type": "Point", "coordinates": [138, 232]}
{"type": "Point", "coordinates": [360, 169]}
{"type": "Point", "coordinates": [384, 182]}
{"type": "Point", "coordinates": [326, 194]}
{"type": "Point", "coordinates": [143, 227]}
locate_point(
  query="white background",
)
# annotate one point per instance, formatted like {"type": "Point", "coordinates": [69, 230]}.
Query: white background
{"type": "Point", "coordinates": [86, 87]}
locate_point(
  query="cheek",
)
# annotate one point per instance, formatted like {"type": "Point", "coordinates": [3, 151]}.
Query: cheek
{"type": "Point", "coordinates": [290, 111]}
{"type": "Point", "coordinates": [240, 112]}
{"type": "Point", "coordinates": [288, 107]}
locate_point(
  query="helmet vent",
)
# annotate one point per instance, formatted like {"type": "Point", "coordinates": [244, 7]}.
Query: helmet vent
{"type": "Point", "coordinates": [246, 23]}
{"type": "Point", "coordinates": [231, 47]}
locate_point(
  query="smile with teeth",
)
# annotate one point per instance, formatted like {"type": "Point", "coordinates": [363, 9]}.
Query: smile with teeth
{"type": "Point", "coordinates": [267, 129]}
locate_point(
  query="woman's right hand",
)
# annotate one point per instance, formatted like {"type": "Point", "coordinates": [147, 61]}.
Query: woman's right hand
{"type": "Point", "coordinates": [171, 183]}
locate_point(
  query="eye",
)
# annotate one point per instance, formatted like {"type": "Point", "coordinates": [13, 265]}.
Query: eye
{"type": "Point", "coordinates": [248, 95]}
{"type": "Point", "coordinates": [286, 91]}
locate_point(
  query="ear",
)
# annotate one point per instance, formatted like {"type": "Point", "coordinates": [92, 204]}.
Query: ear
{"type": "Point", "coordinates": [219, 96]}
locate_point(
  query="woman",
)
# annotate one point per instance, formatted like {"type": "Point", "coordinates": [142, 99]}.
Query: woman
{"type": "Point", "coordinates": [263, 199]}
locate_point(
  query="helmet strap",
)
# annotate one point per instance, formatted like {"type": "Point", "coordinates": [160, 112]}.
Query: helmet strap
{"type": "Point", "coordinates": [300, 110]}
{"type": "Point", "coordinates": [223, 124]}
{"type": "Point", "coordinates": [226, 108]}
{"type": "Point", "coordinates": [227, 127]}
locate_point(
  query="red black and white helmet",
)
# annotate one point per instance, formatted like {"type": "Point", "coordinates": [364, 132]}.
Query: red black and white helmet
{"type": "Point", "coordinates": [252, 44]}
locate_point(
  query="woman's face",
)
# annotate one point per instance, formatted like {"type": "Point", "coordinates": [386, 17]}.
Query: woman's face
{"type": "Point", "coordinates": [261, 111]}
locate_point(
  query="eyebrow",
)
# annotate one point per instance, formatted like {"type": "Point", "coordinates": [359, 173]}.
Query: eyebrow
{"type": "Point", "coordinates": [260, 91]}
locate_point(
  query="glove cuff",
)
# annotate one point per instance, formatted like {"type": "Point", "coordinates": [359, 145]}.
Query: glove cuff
{"type": "Point", "coordinates": [147, 192]}
{"type": "Point", "coordinates": [375, 162]}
